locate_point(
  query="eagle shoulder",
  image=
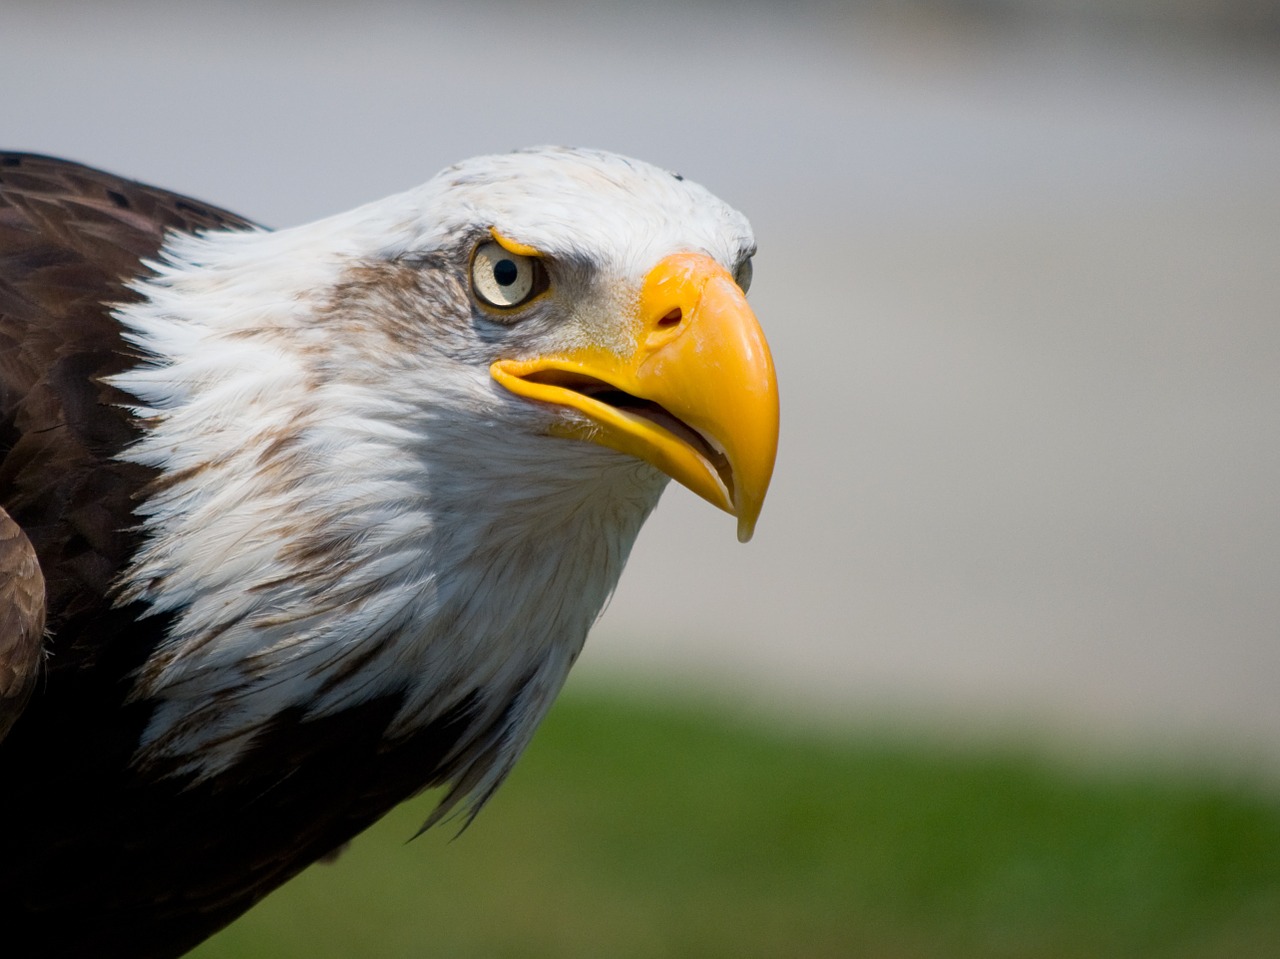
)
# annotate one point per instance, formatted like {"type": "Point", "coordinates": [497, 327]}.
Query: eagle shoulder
{"type": "Point", "coordinates": [72, 241]}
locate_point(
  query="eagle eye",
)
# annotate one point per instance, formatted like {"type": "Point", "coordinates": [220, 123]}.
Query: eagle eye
{"type": "Point", "coordinates": [503, 279]}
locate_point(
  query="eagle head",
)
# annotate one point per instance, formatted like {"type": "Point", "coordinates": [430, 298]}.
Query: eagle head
{"type": "Point", "coordinates": [404, 451]}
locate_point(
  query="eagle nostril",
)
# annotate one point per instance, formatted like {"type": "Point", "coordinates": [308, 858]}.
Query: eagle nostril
{"type": "Point", "coordinates": [673, 318]}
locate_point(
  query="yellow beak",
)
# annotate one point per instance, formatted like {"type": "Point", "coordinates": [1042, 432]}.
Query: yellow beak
{"type": "Point", "coordinates": [695, 396]}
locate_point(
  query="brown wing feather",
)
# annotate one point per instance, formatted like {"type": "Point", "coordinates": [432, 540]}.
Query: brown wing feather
{"type": "Point", "coordinates": [21, 621]}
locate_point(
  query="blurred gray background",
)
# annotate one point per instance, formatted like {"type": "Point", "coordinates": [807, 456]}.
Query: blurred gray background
{"type": "Point", "coordinates": [1019, 263]}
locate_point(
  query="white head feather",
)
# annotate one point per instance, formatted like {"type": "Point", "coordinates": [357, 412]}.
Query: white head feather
{"type": "Point", "coordinates": [348, 506]}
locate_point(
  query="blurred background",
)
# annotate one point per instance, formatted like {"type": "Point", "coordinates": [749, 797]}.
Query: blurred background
{"type": "Point", "coordinates": [1002, 664]}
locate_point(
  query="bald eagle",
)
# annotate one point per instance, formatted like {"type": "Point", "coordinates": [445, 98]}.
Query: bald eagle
{"type": "Point", "coordinates": [297, 524]}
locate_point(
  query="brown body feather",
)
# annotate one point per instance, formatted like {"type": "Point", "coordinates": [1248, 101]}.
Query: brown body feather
{"type": "Point", "coordinates": [21, 621]}
{"type": "Point", "coordinates": [96, 857]}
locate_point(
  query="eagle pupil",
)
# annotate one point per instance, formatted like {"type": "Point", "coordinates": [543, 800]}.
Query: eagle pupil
{"type": "Point", "coordinates": [505, 272]}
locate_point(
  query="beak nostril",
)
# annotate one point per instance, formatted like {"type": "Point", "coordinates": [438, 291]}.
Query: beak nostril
{"type": "Point", "coordinates": [673, 318]}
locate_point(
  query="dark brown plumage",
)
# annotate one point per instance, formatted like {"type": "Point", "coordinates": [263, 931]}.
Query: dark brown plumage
{"type": "Point", "coordinates": [21, 621]}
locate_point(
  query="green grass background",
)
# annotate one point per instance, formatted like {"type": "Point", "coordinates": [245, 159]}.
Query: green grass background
{"type": "Point", "coordinates": [635, 829]}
